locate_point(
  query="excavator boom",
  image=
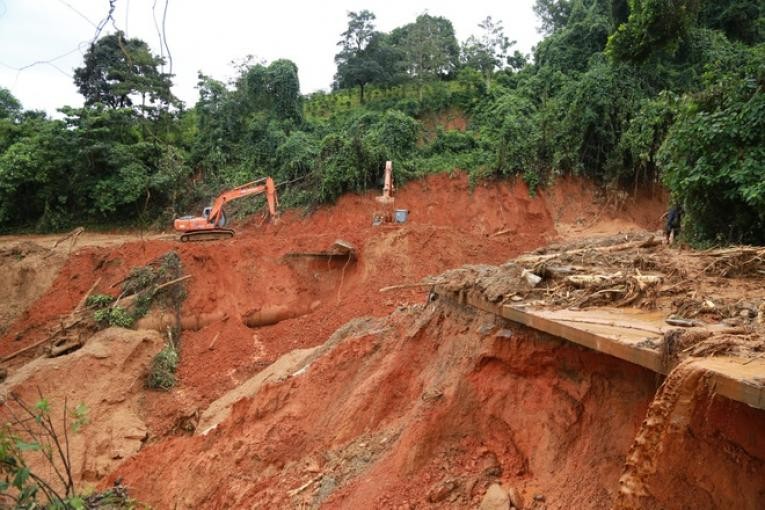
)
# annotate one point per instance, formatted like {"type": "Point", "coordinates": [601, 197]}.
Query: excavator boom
{"type": "Point", "coordinates": [210, 225]}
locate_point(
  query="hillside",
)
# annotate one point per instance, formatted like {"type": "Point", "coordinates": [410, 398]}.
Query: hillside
{"type": "Point", "coordinates": [463, 277]}
{"type": "Point", "coordinates": [316, 389]}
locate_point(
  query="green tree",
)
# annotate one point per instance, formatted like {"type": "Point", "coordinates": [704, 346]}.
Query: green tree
{"type": "Point", "coordinates": [10, 116]}
{"type": "Point", "coordinates": [357, 61]}
{"type": "Point", "coordinates": [37, 175]}
{"type": "Point", "coordinates": [354, 63]}
{"type": "Point", "coordinates": [488, 52]}
{"type": "Point", "coordinates": [274, 88]}
{"type": "Point", "coordinates": [741, 20]}
{"type": "Point", "coordinates": [430, 46]}
{"type": "Point", "coordinates": [10, 107]}
{"type": "Point", "coordinates": [552, 13]}
{"type": "Point", "coordinates": [117, 72]}
{"type": "Point", "coordinates": [714, 154]}
{"type": "Point", "coordinates": [652, 25]}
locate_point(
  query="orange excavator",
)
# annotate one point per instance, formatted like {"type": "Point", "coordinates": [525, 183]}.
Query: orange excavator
{"type": "Point", "coordinates": [210, 226]}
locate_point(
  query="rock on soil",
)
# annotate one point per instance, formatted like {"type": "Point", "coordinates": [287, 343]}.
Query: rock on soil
{"type": "Point", "coordinates": [496, 498]}
{"type": "Point", "coordinates": [106, 375]}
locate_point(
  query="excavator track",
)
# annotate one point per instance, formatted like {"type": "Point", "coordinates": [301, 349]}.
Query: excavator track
{"type": "Point", "coordinates": [207, 235]}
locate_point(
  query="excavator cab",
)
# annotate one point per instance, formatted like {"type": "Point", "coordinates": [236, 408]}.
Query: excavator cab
{"type": "Point", "coordinates": [221, 217]}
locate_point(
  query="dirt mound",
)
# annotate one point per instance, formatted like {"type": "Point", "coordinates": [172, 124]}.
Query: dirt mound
{"type": "Point", "coordinates": [582, 209]}
{"type": "Point", "coordinates": [106, 376]}
{"type": "Point", "coordinates": [26, 272]}
{"type": "Point", "coordinates": [434, 405]}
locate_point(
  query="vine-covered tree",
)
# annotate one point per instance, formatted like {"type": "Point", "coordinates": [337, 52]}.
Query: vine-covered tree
{"type": "Point", "coordinates": [585, 33]}
{"type": "Point", "coordinates": [652, 25]}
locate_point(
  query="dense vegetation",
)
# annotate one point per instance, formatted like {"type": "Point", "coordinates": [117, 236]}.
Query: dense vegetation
{"type": "Point", "coordinates": [623, 91]}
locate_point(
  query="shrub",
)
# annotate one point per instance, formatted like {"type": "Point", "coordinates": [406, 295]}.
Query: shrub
{"type": "Point", "coordinates": [161, 375]}
{"type": "Point", "coordinates": [452, 142]}
{"type": "Point", "coordinates": [114, 316]}
{"type": "Point", "coordinates": [99, 300]}
{"type": "Point", "coordinates": [32, 429]}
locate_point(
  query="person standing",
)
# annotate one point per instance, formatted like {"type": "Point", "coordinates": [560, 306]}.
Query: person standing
{"type": "Point", "coordinates": [672, 227]}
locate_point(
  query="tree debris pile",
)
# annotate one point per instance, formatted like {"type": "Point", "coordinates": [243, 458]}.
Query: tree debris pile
{"type": "Point", "coordinates": [155, 283]}
{"type": "Point", "coordinates": [159, 282]}
{"type": "Point", "coordinates": [636, 270]}
{"type": "Point", "coordinates": [736, 261]}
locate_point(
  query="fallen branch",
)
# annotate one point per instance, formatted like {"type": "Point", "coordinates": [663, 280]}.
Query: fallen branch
{"type": "Point", "coordinates": [40, 342]}
{"type": "Point", "coordinates": [85, 297]}
{"type": "Point", "coordinates": [647, 243]}
{"type": "Point", "coordinates": [172, 282]}
{"type": "Point", "coordinates": [126, 301]}
{"type": "Point", "coordinates": [754, 358]}
{"type": "Point", "coordinates": [295, 492]}
{"type": "Point", "coordinates": [737, 250]}
{"type": "Point", "coordinates": [409, 286]}
{"type": "Point", "coordinates": [215, 339]}
{"type": "Point", "coordinates": [74, 233]}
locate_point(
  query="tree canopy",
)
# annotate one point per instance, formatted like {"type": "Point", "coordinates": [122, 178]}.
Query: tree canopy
{"type": "Point", "coordinates": [118, 71]}
{"type": "Point", "coordinates": [625, 92]}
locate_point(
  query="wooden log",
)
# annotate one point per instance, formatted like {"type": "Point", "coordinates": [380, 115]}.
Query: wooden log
{"type": "Point", "coordinates": [648, 243]}
{"type": "Point", "coordinates": [74, 233]}
{"type": "Point", "coordinates": [40, 342]}
{"type": "Point", "coordinates": [683, 323]}
{"type": "Point", "coordinates": [591, 280]}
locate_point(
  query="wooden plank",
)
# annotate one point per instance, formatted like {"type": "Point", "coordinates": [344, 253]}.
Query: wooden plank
{"type": "Point", "coordinates": [738, 379]}
{"type": "Point", "coordinates": [644, 357]}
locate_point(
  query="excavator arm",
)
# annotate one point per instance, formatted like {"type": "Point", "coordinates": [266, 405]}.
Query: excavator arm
{"type": "Point", "coordinates": [210, 225]}
{"type": "Point", "coordinates": [265, 185]}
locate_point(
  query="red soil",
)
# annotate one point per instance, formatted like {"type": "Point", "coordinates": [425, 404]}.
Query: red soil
{"type": "Point", "coordinates": [448, 226]}
{"type": "Point", "coordinates": [428, 408]}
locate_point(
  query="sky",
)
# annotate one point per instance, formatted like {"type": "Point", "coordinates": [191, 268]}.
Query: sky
{"type": "Point", "coordinates": [207, 36]}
